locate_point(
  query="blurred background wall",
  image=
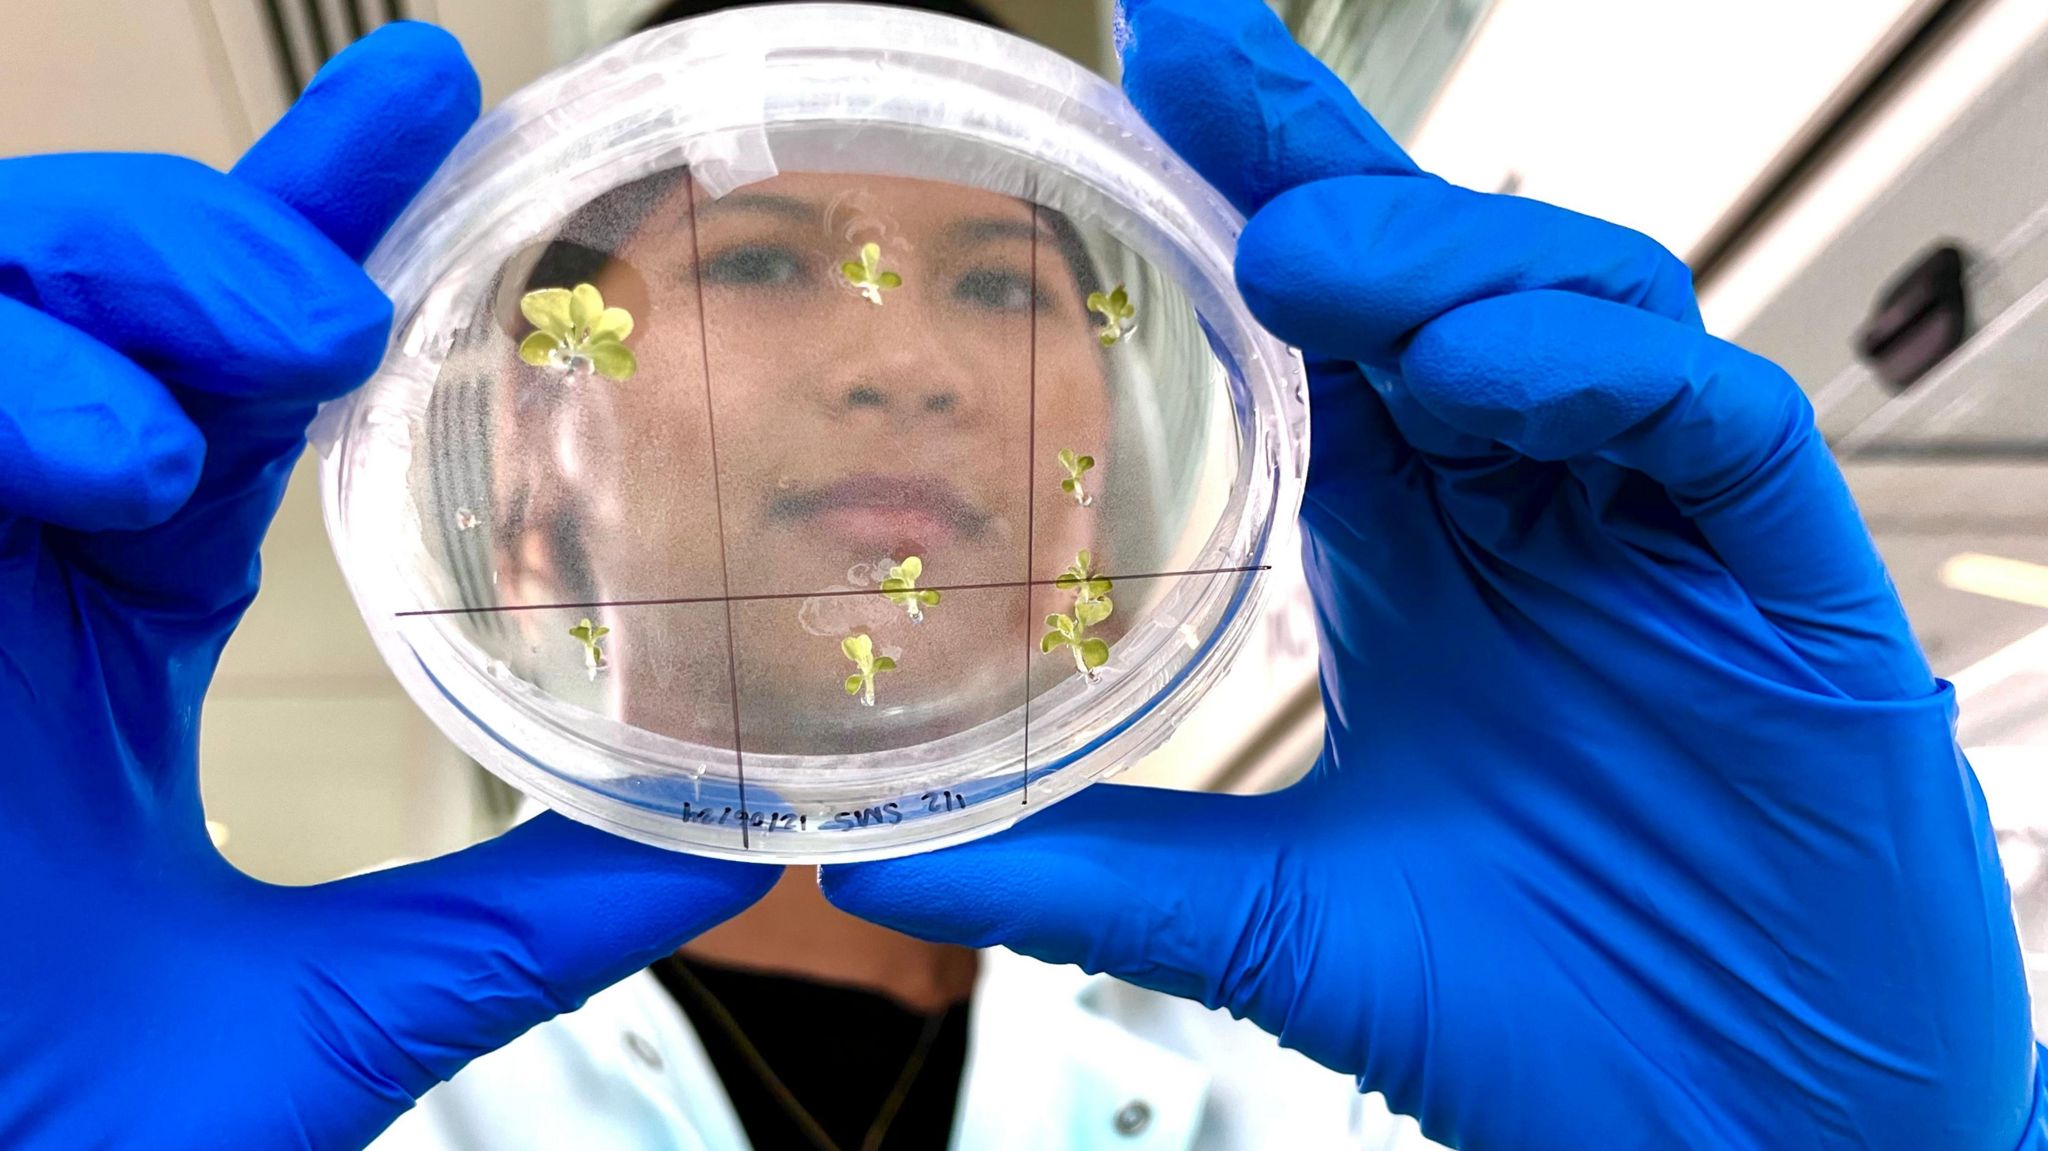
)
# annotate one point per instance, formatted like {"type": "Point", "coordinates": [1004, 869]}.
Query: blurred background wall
{"type": "Point", "coordinates": [1861, 187]}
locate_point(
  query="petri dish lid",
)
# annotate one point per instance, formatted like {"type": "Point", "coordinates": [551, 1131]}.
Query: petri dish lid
{"type": "Point", "coordinates": [813, 434]}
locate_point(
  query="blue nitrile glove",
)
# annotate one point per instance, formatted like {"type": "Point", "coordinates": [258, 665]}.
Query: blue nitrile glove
{"type": "Point", "coordinates": [169, 331]}
{"type": "Point", "coordinates": [1640, 823]}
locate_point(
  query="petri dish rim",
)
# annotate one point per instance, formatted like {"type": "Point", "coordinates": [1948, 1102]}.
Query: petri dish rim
{"type": "Point", "coordinates": [1102, 149]}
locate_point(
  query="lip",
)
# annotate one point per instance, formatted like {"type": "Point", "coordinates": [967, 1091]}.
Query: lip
{"type": "Point", "coordinates": [887, 512]}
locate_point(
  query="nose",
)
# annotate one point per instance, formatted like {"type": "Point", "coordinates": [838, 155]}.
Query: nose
{"type": "Point", "coordinates": [909, 403]}
{"type": "Point", "coordinates": [893, 363]}
{"type": "Point", "coordinates": [898, 377]}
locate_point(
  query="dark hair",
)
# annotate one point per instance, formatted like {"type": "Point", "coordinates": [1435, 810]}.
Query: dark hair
{"type": "Point", "coordinates": [579, 256]}
{"type": "Point", "coordinates": [569, 263]}
{"type": "Point", "coordinates": [684, 9]}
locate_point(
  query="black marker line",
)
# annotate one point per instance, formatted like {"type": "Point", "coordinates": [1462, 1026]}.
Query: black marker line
{"type": "Point", "coordinates": [732, 643]}
{"type": "Point", "coordinates": [756, 597]}
{"type": "Point", "coordinates": [1030, 491]}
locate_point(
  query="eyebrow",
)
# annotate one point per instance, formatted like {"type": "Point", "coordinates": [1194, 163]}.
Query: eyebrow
{"type": "Point", "coordinates": [788, 207]}
{"type": "Point", "coordinates": [978, 230]}
{"type": "Point", "coordinates": [987, 229]}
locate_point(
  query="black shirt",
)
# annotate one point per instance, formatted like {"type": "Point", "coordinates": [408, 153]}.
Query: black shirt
{"type": "Point", "coordinates": [842, 1053]}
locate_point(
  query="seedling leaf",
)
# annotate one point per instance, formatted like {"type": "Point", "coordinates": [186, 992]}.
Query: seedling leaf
{"type": "Point", "coordinates": [1094, 653]}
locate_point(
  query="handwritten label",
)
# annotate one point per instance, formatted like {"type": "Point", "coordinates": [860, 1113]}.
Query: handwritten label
{"type": "Point", "coordinates": [881, 815]}
{"type": "Point", "coordinates": [757, 820]}
{"type": "Point", "coordinates": [890, 814]}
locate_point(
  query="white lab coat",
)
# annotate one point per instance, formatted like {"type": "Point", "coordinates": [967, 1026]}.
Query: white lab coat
{"type": "Point", "coordinates": [1056, 1060]}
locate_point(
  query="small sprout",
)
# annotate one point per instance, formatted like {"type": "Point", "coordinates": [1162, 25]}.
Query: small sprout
{"type": "Point", "coordinates": [1090, 612]}
{"type": "Point", "coordinates": [867, 274]}
{"type": "Point", "coordinates": [900, 585]}
{"type": "Point", "coordinates": [1087, 587]}
{"type": "Point", "coordinates": [577, 333]}
{"type": "Point", "coordinates": [1119, 316]}
{"type": "Point", "coordinates": [465, 519]}
{"type": "Point", "coordinates": [1069, 632]}
{"type": "Point", "coordinates": [1091, 606]}
{"type": "Point", "coordinates": [588, 634]}
{"type": "Point", "coordinates": [861, 650]}
{"type": "Point", "coordinates": [1076, 467]}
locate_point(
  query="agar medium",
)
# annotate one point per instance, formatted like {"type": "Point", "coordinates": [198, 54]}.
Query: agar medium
{"type": "Point", "coordinates": [814, 433]}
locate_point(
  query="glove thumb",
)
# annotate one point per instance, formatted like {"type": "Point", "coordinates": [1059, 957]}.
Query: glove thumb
{"type": "Point", "coordinates": [433, 964]}
{"type": "Point", "coordinates": [1191, 894]}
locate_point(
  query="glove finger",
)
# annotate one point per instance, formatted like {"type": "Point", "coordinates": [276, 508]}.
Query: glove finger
{"type": "Point", "coordinates": [1186, 893]}
{"type": "Point", "coordinates": [1255, 113]}
{"type": "Point", "coordinates": [445, 960]}
{"type": "Point", "coordinates": [1728, 435]}
{"type": "Point", "coordinates": [1350, 268]}
{"type": "Point", "coordinates": [91, 441]}
{"type": "Point", "coordinates": [367, 133]}
{"type": "Point", "coordinates": [1078, 883]}
{"type": "Point", "coordinates": [210, 285]}
{"type": "Point", "coordinates": [1227, 87]}
{"type": "Point", "coordinates": [303, 322]}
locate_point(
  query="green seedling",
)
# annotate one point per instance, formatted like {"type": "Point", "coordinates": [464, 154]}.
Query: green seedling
{"type": "Point", "coordinates": [1076, 467]}
{"type": "Point", "coordinates": [867, 274]}
{"type": "Point", "coordinates": [575, 332]}
{"type": "Point", "coordinates": [861, 650]}
{"type": "Point", "coordinates": [1119, 315]}
{"type": "Point", "coordinates": [1091, 606]}
{"type": "Point", "coordinates": [1080, 578]}
{"type": "Point", "coordinates": [901, 588]}
{"type": "Point", "coordinates": [588, 634]}
{"type": "Point", "coordinates": [1068, 631]}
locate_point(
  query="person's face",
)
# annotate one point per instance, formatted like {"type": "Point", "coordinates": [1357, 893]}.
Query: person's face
{"type": "Point", "coordinates": [847, 434]}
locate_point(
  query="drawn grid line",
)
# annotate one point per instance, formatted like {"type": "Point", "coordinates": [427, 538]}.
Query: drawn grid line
{"type": "Point", "coordinates": [1030, 491]}
{"type": "Point", "coordinates": [732, 657]}
{"type": "Point", "coordinates": [829, 593]}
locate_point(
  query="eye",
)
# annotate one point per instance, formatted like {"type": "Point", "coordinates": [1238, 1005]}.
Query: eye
{"type": "Point", "coordinates": [996, 288]}
{"type": "Point", "coordinates": [754, 265]}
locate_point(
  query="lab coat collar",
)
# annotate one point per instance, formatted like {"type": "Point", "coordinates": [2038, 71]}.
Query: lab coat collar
{"type": "Point", "coordinates": [1047, 1068]}
{"type": "Point", "coordinates": [1049, 1065]}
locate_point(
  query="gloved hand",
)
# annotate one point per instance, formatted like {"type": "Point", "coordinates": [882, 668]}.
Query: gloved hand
{"type": "Point", "coordinates": [1640, 822]}
{"type": "Point", "coordinates": [170, 330]}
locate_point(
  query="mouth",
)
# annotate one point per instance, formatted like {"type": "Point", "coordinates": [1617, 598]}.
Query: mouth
{"type": "Point", "coordinates": [878, 514]}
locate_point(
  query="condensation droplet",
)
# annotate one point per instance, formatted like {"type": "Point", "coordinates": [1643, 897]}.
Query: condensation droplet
{"type": "Point", "coordinates": [836, 615]}
{"type": "Point", "coordinates": [500, 670]}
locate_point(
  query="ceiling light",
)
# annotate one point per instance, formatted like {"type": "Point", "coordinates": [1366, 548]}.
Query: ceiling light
{"type": "Point", "coordinates": [1997, 577]}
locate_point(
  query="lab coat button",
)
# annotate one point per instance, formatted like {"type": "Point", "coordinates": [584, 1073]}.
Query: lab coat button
{"type": "Point", "coordinates": [1133, 1118]}
{"type": "Point", "coordinates": [643, 1050]}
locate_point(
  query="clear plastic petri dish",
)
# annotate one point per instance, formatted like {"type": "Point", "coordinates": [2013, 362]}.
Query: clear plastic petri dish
{"type": "Point", "coordinates": [814, 433]}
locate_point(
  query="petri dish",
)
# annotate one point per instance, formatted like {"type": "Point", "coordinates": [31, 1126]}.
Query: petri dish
{"type": "Point", "coordinates": [810, 434]}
